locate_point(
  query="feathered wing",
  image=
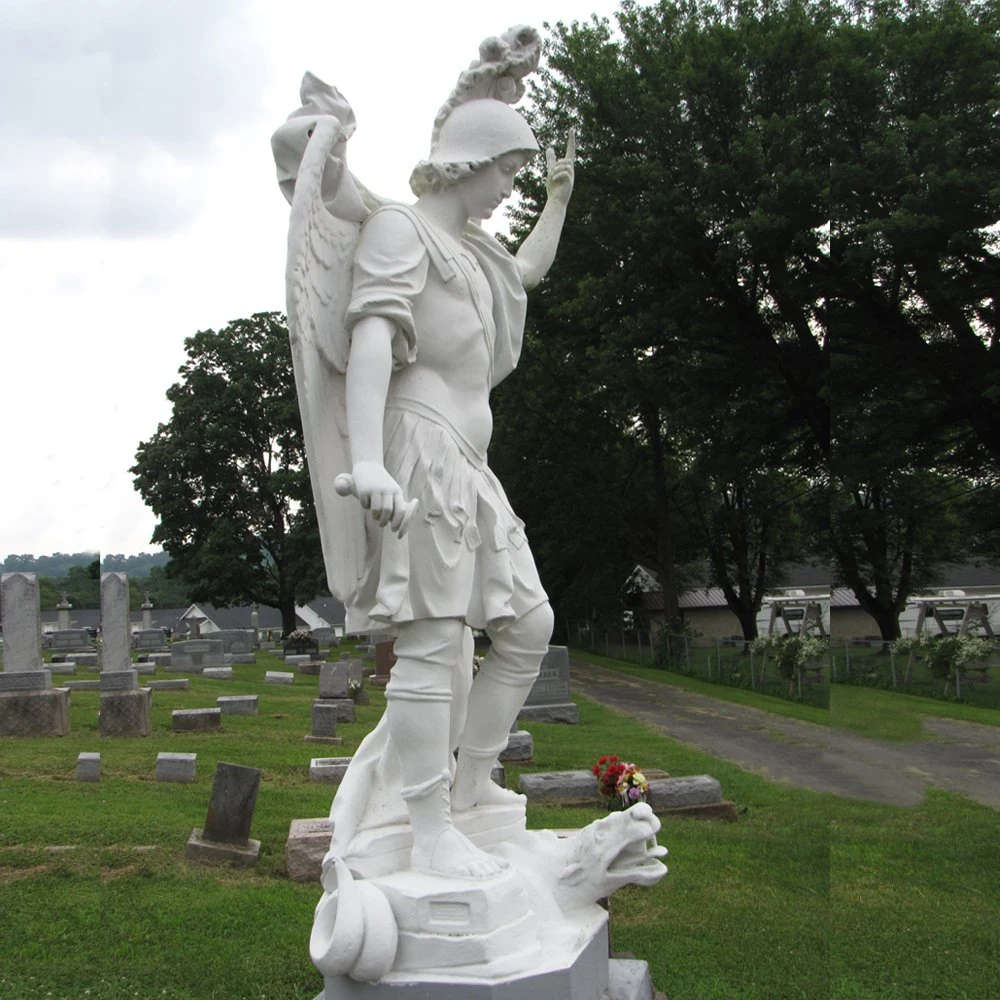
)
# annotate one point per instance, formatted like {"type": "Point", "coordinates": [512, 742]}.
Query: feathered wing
{"type": "Point", "coordinates": [318, 283]}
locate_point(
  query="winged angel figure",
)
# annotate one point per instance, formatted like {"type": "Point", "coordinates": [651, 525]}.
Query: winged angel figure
{"type": "Point", "coordinates": [402, 318]}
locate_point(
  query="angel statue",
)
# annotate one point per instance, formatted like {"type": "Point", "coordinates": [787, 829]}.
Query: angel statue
{"type": "Point", "coordinates": [402, 319]}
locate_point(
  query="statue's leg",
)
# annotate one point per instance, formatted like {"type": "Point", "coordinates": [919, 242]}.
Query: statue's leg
{"type": "Point", "coordinates": [498, 692]}
{"type": "Point", "coordinates": [418, 711]}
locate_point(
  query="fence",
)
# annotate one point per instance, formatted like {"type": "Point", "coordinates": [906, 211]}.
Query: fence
{"type": "Point", "coordinates": [719, 661]}
{"type": "Point", "coordinates": [871, 663]}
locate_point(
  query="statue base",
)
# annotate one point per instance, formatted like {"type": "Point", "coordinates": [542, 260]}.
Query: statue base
{"type": "Point", "coordinates": [574, 968]}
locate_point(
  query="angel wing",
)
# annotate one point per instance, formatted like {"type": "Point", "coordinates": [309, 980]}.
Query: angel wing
{"type": "Point", "coordinates": [318, 286]}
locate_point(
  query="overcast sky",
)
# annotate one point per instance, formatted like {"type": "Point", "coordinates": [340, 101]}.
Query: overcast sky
{"type": "Point", "coordinates": [138, 205]}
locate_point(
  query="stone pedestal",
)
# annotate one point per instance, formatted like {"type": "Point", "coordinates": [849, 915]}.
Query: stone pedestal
{"type": "Point", "coordinates": [578, 970]}
{"type": "Point", "coordinates": [126, 713]}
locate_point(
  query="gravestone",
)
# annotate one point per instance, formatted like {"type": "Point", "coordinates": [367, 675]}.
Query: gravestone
{"type": "Point", "coordinates": [73, 640]}
{"type": "Point", "coordinates": [196, 654]}
{"type": "Point", "coordinates": [236, 640]}
{"type": "Point", "coordinates": [330, 770]}
{"type": "Point", "coordinates": [226, 833]}
{"type": "Point", "coordinates": [384, 659]}
{"type": "Point", "coordinates": [237, 704]}
{"type": "Point", "coordinates": [151, 640]}
{"type": "Point", "coordinates": [324, 723]}
{"type": "Point", "coordinates": [307, 844]}
{"type": "Point", "coordinates": [88, 767]}
{"type": "Point", "coordinates": [126, 709]}
{"type": "Point", "coordinates": [548, 700]}
{"type": "Point", "coordinates": [562, 787]}
{"type": "Point", "coordinates": [278, 677]}
{"type": "Point", "coordinates": [116, 638]}
{"type": "Point", "coordinates": [218, 673]}
{"type": "Point", "coordinates": [334, 680]}
{"type": "Point", "coordinates": [195, 720]}
{"type": "Point", "coordinates": [520, 748]}
{"type": "Point", "coordinates": [179, 684]}
{"type": "Point", "coordinates": [179, 767]}
{"type": "Point", "coordinates": [326, 637]}
{"type": "Point", "coordinates": [305, 646]}
{"type": "Point", "coordinates": [20, 609]}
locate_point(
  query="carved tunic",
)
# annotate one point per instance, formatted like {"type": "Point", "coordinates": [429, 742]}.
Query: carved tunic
{"type": "Point", "coordinates": [458, 316]}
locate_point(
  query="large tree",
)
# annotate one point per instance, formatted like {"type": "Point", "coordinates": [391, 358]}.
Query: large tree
{"type": "Point", "coordinates": [226, 475]}
{"type": "Point", "coordinates": [688, 287]}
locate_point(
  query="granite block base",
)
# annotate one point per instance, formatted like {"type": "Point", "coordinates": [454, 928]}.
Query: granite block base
{"type": "Point", "coordinates": [213, 853]}
{"type": "Point", "coordinates": [565, 712]}
{"type": "Point", "coordinates": [126, 713]}
{"type": "Point", "coordinates": [35, 713]}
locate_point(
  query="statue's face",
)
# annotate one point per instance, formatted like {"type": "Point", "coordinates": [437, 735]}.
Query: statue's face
{"type": "Point", "coordinates": [490, 186]}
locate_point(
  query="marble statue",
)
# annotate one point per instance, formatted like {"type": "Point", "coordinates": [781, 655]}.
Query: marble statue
{"type": "Point", "coordinates": [402, 318]}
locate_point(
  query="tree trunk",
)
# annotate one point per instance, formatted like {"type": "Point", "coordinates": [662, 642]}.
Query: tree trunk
{"type": "Point", "coordinates": [748, 623]}
{"type": "Point", "coordinates": [288, 619]}
{"type": "Point", "coordinates": [664, 532]}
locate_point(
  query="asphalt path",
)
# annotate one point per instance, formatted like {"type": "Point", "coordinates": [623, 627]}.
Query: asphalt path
{"type": "Point", "coordinates": [958, 756]}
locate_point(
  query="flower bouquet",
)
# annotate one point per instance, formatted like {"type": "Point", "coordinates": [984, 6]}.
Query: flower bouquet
{"type": "Point", "coordinates": [622, 783]}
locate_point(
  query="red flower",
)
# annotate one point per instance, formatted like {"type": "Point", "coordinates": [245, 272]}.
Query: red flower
{"type": "Point", "coordinates": [596, 770]}
{"type": "Point", "coordinates": [614, 759]}
{"type": "Point", "coordinates": [602, 760]}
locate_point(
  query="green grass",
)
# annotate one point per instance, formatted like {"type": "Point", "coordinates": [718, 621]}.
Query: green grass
{"type": "Point", "coordinates": [736, 695]}
{"type": "Point", "coordinates": [871, 712]}
{"type": "Point", "coordinates": [806, 896]}
{"type": "Point", "coordinates": [868, 666]}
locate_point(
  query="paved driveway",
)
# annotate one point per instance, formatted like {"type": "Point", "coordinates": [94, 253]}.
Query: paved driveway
{"type": "Point", "coordinates": [958, 756]}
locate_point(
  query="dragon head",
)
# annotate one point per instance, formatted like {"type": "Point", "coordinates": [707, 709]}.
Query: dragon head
{"type": "Point", "coordinates": [617, 850]}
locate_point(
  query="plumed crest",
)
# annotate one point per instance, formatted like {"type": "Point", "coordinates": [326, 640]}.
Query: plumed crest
{"type": "Point", "coordinates": [498, 73]}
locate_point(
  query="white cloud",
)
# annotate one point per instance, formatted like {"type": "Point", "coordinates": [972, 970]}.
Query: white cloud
{"type": "Point", "coordinates": [138, 205]}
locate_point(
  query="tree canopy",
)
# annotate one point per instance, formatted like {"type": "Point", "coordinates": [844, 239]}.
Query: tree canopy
{"type": "Point", "coordinates": [772, 319]}
{"type": "Point", "coordinates": [226, 474]}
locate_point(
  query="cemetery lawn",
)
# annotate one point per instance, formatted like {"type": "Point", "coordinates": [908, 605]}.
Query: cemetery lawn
{"type": "Point", "coordinates": [872, 712]}
{"type": "Point", "coordinates": [806, 896]}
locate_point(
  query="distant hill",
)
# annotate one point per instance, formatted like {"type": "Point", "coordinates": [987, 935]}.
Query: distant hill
{"type": "Point", "coordinates": [56, 565]}
{"type": "Point", "coordinates": [140, 565]}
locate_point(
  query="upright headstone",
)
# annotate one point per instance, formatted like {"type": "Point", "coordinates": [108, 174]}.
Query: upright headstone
{"type": "Point", "coordinates": [384, 659]}
{"type": "Point", "coordinates": [116, 644]}
{"type": "Point", "coordinates": [151, 639]}
{"type": "Point", "coordinates": [147, 613]}
{"type": "Point", "coordinates": [548, 700]}
{"type": "Point", "coordinates": [196, 654]}
{"type": "Point", "coordinates": [22, 621]}
{"type": "Point", "coordinates": [64, 608]}
{"type": "Point", "coordinates": [226, 834]}
{"type": "Point", "coordinates": [74, 640]}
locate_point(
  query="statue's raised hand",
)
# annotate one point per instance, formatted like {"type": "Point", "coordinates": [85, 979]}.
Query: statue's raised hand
{"type": "Point", "coordinates": [378, 492]}
{"type": "Point", "coordinates": [559, 173]}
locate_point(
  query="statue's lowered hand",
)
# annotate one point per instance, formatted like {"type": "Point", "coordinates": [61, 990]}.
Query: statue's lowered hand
{"type": "Point", "coordinates": [378, 492]}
